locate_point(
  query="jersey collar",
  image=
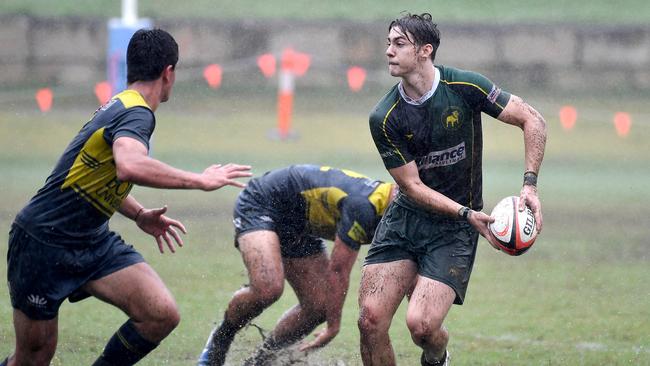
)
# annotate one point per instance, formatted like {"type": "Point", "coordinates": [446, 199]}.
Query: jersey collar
{"type": "Point", "coordinates": [426, 96]}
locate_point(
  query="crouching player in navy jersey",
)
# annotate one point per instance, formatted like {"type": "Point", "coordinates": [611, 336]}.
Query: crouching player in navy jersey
{"type": "Point", "coordinates": [428, 133]}
{"type": "Point", "coordinates": [60, 246]}
{"type": "Point", "coordinates": [280, 220]}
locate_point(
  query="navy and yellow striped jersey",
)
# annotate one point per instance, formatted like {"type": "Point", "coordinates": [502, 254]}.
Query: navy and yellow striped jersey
{"type": "Point", "coordinates": [331, 201]}
{"type": "Point", "coordinates": [443, 135]}
{"type": "Point", "coordinates": [82, 192]}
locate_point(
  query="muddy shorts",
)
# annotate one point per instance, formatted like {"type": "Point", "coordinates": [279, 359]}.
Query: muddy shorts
{"type": "Point", "coordinates": [255, 212]}
{"type": "Point", "coordinates": [443, 248]}
{"type": "Point", "coordinates": [42, 276]}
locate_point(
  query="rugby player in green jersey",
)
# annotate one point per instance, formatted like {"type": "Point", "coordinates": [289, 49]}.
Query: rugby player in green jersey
{"type": "Point", "coordinates": [60, 246]}
{"type": "Point", "coordinates": [428, 133]}
{"type": "Point", "coordinates": [280, 220]}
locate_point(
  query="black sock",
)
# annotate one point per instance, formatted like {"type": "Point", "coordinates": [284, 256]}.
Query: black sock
{"type": "Point", "coordinates": [126, 347]}
{"type": "Point", "coordinates": [226, 329]}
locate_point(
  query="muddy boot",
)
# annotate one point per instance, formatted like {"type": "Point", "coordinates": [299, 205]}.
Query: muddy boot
{"type": "Point", "coordinates": [216, 348]}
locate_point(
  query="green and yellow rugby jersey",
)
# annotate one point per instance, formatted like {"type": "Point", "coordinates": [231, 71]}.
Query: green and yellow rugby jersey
{"type": "Point", "coordinates": [442, 135]}
{"type": "Point", "coordinates": [82, 192]}
{"type": "Point", "coordinates": [332, 201]}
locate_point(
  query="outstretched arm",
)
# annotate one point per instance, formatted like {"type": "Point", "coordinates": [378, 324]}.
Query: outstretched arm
{"type": "Point", "coordinates": [521, 114]}
{"type": "Point", "coordinates": [341, 261]}
{"type": "Point", "coordinates": [154, 223]}
{"type": "Point", "coordinates": [135, 166]}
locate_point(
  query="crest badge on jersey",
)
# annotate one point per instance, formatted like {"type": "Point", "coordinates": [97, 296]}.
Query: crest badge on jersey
{"type": "Point", "coordinates": [452, 118]}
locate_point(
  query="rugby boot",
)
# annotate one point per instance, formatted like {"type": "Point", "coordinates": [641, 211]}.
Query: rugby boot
{"type": "Point", "coordinates": [445, 361]}
{"type": "Point", "coordinates": [216, 348]}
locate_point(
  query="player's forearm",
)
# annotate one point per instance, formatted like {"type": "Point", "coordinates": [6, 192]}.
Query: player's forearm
{"type": "Point", "coordinates": [334, 310]}
{"type": "Point", "coordinates": [534, 141]}
{"type": "Point", "coordinates": [430, 199]}
{"type": "Point", "coordinates": [130, 207]}
{"type": "Point", "coordinates": [150, 172]}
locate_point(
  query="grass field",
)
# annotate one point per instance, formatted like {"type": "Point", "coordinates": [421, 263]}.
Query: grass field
{"type": "Point", "coordinates": [595, 11]}
{"type": "Point", "coordinates": [579, 297]}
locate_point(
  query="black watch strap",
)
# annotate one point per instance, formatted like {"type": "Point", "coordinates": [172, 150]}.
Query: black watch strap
{"type": "Point", "coordinates": [530, 178]}
{"type": "Point", "coordinates": [463, 212]}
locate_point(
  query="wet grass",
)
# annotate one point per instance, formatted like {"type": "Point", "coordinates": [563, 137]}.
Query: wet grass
{"type": "Point", "coordinates": [579, 297]}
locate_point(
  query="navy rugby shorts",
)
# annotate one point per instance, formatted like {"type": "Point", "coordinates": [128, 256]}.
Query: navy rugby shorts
{"type": "Point", "coordinates": [255, 212]}
{"type": "Point", "coordinates": [42, 276]}
{"type": "Point", "coordinates": [443, 248]}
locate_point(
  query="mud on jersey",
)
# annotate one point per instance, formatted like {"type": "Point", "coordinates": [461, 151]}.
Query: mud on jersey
{"type": "Point", "coordinates": [82, 192]}
{"type": "Point", "coordinates": [443, 135]}
{"type": "Point", "coordinates": [330, 201]}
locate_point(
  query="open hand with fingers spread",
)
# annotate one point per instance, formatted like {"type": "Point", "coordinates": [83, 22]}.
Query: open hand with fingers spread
{"type": "Point", "coordinates": [217, 176]}
{"type": "Point", "coordinates": [154, 222]}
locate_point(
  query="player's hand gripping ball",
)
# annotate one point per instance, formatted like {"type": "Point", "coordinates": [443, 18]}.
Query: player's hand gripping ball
{"type": "Point", "coordinates": [515, 231]}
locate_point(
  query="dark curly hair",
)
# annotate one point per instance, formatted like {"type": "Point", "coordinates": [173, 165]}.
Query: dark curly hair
{"type": "Point", "coordinates": [421, 28]}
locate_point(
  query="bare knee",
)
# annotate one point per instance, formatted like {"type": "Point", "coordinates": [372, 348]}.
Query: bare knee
{"type": "Point", "coordinates": [158, 320]}
{"type": "Point", "coordinates": [35, 340]}
{"type": "Point", "coordinates": [35, 353]}
{"type": "Point", "coordinates": [426, 330]}
{"type": "Point", "coordinates": [268, 292]}
{"type": "Point", "coordinates": [371, 321]}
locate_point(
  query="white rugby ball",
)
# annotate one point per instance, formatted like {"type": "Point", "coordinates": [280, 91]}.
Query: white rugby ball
{"type": "Point", "coordinates": [515, 231]}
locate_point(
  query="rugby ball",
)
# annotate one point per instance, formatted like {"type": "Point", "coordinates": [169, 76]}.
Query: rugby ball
{"type": "Point", "coordinates": [515, 231]}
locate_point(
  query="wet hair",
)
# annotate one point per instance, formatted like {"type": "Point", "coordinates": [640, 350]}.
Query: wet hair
{"type": "Point", "coordinates": [149, 52]}
{"type": "Point", "coordinates": [421, 28]}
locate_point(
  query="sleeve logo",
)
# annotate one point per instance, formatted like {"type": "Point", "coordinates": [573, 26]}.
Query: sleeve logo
{"type": "Point", "coordinates": [494, 94]}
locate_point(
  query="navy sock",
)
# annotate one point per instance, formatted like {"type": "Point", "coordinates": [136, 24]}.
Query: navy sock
{"type": "Point", "coordinates": [5, 362]}
{"type": "Point", "coordinates": [126, 347]}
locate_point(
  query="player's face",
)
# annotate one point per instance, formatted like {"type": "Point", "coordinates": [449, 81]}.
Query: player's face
{"type": "Point", "coordinates": [401, 53]}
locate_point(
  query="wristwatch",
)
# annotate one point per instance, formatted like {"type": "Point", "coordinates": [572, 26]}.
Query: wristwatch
{"type": "Point", "coordinates": [463, 212]}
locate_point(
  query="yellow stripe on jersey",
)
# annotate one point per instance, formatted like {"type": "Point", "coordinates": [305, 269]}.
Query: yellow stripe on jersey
{"type": "Point", "coordinates": [470, 84]}
{"type": "Point", "coordinates": [383, 126]}
{"type": "Point", "coordinates": [379, 198]}
{"type": "Point", "coordinates": [322, 206]}
{"type": "Point", "coordinates": [131, 98]}
{"type": "Point", "coordinates": [93, 176]}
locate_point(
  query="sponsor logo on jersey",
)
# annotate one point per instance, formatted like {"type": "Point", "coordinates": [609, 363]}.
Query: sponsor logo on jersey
{"type": "Point", "coordinates": [387, 154]}
{"type": "Point", "coordinates": [442, 158]}
{"type": "Point", "coordinates": [357, 233]}
{"type": "Point", "coordinates": [36, 300]}
{"type": "Point", "coordinates": [93, 176]}
{"type": "Point", "coordinates": [494, 94]}
{"type": "Point", "coordinates": [452, 118]}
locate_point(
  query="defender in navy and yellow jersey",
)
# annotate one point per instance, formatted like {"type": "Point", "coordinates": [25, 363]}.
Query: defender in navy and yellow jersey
{"type": "Point", "coordinates": [428, 132]}
{"type": "Point", "coordinates": [280, 220]}
{"type": "Point", "coordinates": [60, 246]}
